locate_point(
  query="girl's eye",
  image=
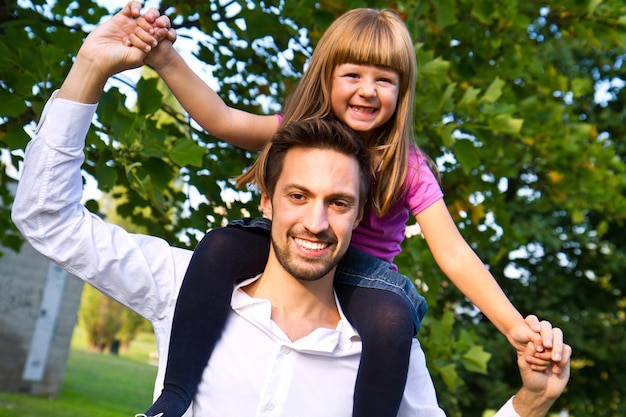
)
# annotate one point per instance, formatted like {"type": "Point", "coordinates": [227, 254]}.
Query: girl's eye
{"type": "Point", "coordinates": [387, 80]}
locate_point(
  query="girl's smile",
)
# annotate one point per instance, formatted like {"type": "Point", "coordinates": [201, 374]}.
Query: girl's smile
{"type": "Point", "coordinates": [364, 96]}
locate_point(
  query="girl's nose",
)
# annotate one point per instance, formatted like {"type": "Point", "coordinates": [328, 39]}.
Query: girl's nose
{"type": "Point", "coordinates": [367, 89]}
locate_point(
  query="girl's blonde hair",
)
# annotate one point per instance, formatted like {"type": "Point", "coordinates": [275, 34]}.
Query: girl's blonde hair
{"type": "Point", "coordinates": [369, 37]}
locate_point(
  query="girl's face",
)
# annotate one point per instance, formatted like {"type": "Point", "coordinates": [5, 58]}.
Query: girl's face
{"type": "Point", "coordinates": [364, 96]}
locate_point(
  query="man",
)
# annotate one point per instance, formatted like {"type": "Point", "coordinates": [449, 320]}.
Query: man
{"type": "Point", "coordinates": [287, 349]}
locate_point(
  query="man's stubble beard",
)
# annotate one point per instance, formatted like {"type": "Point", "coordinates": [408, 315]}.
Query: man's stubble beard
{"type": "Point", "coordinates": [304, 270]}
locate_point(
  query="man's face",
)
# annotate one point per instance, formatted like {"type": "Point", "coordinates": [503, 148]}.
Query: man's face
{"type": "Point", "coordinates": [314, 209]}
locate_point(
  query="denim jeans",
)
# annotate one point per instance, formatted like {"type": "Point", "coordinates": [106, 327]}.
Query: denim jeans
{"type": "Point", "coordinates": [363, 270]}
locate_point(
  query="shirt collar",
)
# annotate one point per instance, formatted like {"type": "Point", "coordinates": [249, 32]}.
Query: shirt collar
{"type": "Point", "coordinates": [336, 342]}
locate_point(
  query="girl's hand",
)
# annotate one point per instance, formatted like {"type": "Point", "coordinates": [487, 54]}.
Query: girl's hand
{"type": "Point", "coordinates": [154, 36]}
{"type": "Point", "coordinates": [529, 330]}
{"type": "Point", "coordinates": [547, 341]}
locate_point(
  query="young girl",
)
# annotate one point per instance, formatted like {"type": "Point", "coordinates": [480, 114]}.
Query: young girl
{"type": "Point", "coordinates": [363, 72]}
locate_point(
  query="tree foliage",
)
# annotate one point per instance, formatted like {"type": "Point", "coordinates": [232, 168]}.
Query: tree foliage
{"type": "Point", "coordinates": [106, 323]}
{"type": "Point", "coordinates": [532, 158]}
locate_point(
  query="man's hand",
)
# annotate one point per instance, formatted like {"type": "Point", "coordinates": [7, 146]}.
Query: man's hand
{"type": "Point", "coordinates": [541, 375]}
{"type": "Point", "coordinates": [104, 54]}
{"type": "Point", "coordinates": [543, 380]}
{"type": "Point", "coordinates": [105, 44]}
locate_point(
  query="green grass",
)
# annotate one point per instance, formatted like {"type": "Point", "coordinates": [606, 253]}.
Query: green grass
{"type": "Point", "coordinates": [95, 385]}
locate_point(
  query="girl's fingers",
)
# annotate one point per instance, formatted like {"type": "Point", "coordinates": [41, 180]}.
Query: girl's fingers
{"type": "Point", "coordinates": [151, 15]}
{"type": "Point", "coordinates": [143, 24]}
{"type": "Point", "coordinates": [546, 334]}
{"type": "Point", "coordinates": [137, 42]}
{"type": "Point", "coordinates": [533, 322]}
{"type": "Point", "coordinates": [557, 345]}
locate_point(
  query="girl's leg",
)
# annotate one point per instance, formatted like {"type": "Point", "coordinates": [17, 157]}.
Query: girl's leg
{"type": "Point", "coordinates": [386, 309]}
{"type": "Point", "coordinates": [221, 258]}
{"type": "Point", "coordinates": [385, 324]}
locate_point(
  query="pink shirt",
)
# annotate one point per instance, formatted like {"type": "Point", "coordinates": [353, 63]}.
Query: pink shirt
{"type": "Point", "coordinates": [381, 236]}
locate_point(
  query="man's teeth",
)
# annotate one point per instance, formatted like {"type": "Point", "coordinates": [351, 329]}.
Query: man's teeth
{"type": "Point", "coordinates": [311, 245]}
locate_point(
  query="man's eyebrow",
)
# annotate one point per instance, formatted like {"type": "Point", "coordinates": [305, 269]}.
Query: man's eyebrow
{"type": "Point", "coordinates": [353, 198]}
{"type": "Point", "coordinates": [294, 186]}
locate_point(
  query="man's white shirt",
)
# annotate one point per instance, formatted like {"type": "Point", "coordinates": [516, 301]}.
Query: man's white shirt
{"type": "Point", "coordinates": [255, 370]}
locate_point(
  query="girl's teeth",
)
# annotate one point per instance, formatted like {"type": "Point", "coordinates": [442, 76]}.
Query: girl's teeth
{"type": "Point", "coordinates": [363, 109]}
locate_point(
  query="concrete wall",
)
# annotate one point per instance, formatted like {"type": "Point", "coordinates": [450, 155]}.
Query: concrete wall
{"type": "Point", "coordinates": [38, 311]}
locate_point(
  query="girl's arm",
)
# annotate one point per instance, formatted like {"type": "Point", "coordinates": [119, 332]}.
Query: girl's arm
{"type": "Point", "coordinates": [461, 264]}
{"type": "Point", "coordinates": [237, 127]}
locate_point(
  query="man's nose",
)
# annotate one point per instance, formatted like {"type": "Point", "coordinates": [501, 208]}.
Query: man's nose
{"type": "Point", "coordinates": [316, 218]}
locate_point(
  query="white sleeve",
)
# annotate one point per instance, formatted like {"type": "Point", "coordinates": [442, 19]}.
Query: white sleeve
{"type": "Point", "coordinates": [142, 272]}
{"type": "Point", "coordinates": [507, 410]}
{"type": "Point", "coordinates": [419, 397]}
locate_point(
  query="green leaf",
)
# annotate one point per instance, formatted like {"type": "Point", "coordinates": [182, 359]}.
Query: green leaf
{"type": "Point", "coordinates": [15, 137]}
{"type": "Point", "coordinates": [483, 10]}
{"type": "Point", "coordinates": [582, 86]}
{"type": "Point", "coordinates": [161, 173]}
{"type": "Point", "coordinates": [11, 105]}
{"type": "Point", "coordinates": [446, 97]}
{"type": "Point", "coordinates": [494, 91]}
{"type": "Point", "coordinates": [446, 134]}
{"type": "Point", "coordinates": [466, 154]}
{"type": "Point", "coordinates": [149, 98]}
{"type": "Point", "coordinates": [505, 123]}
{"type": "Point", "coordinates": [470, 97]}
{"type": "Point", "coordinates": [105, 175]}
{"type": "Point", "coordinates": [441, 330]}
{"type": "Point", "coordinates": [450, 376]}
{"type": "Point", "coordinates": [436, 70]}
{"type": "Point", "coordinates": [138, 178]}
{"type": "Point", "coordinates": [592, 4]}
{"type": "Point", "coordinates": [187, 152]}
{"type": "Point", "coordinates": [476, 359]}
{"type": "Point", "coordinates": [446, 15]}
{"type": "Point", "coordinates": [93, 206]}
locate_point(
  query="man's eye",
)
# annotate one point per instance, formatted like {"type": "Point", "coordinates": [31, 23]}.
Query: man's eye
{"type": "Point", "coordinates": [341, 204]}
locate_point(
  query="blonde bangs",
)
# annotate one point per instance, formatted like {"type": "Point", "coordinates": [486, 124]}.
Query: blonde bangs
{"type": "Point", "coordinates": [373, 37]}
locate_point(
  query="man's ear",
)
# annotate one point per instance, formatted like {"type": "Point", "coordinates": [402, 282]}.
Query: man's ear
{"type": "Point", "coordinates": [359, 217]}
{"type": "Point", "coordinates": [266, 206]}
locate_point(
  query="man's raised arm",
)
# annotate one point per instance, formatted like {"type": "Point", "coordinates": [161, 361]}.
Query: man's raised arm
{"type": "Point", "coordinates": [47, 207]}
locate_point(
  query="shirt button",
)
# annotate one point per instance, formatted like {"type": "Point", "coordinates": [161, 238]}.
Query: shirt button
{"type": "Point", "coordinates": [270, 407]}
{"type": "Point", "coordinates": [286, 350]}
